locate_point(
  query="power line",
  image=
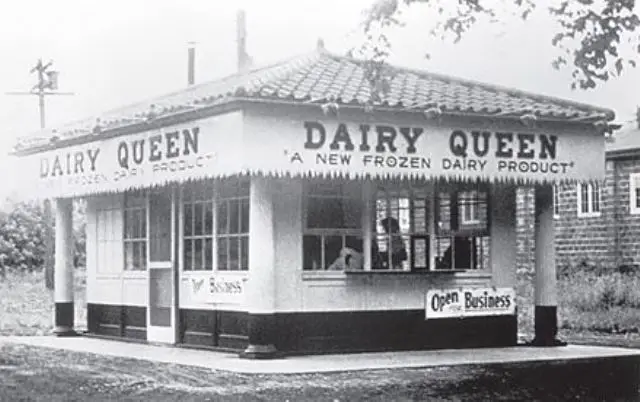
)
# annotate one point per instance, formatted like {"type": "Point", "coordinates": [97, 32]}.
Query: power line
{"type": "Point", "coordinates": [47, 85]}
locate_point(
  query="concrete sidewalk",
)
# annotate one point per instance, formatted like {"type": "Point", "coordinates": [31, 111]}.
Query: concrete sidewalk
{"type": "Point", "coordinates": [322, 363]}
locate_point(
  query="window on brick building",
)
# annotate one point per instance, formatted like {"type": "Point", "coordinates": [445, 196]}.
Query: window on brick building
{"type": "Point", "coordinates": [589, 199]}
{"type": "Point", "coordinates": [634, 193]}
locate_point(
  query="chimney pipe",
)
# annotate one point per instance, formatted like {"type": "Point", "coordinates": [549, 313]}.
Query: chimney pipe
{"type": "Point", "coordinates": [638, 116]}
{"type": "Point", "coordinates": [244, 61]}
{"type": "Point", "coordinates": [191, 64]}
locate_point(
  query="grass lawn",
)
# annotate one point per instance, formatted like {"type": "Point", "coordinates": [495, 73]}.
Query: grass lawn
{"type": "Point", "coordinates": [29, 373]}
{"type": "Point", "coordinates": [26, 306]}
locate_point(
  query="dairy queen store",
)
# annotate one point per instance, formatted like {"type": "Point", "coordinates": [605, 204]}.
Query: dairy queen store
{"type": "Point", "coordinates": [287, 210]}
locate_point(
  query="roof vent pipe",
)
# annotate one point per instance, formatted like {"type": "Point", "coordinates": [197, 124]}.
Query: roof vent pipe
{"type": "Point", "coordinates": [191, 63]}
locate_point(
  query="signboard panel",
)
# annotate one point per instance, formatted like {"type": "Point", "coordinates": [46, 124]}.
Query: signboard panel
{"type": "Point", "coordinates": [471, 302]}
{"type": "Point", "coordinates": [335, 148]}
{"type": "Point", "coordinates": [215, 288]}
{"type": "Point", "coordinates": [239, 143]}
{"type": "Point", "coordinates": [204, 148]}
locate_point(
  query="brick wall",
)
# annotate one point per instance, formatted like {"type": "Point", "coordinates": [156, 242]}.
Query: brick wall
{"type": "Point", "coordinates": [628, 237]}
{"type": "Point", "coordinates": [587, 240]}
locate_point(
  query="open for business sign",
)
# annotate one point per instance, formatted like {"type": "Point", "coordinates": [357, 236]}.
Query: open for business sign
{"type": "Point", "coordinates": [472, 302]}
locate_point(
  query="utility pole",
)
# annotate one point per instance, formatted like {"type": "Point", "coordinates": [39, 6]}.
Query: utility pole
{"type": "Point", "coordinates": [47, 85]}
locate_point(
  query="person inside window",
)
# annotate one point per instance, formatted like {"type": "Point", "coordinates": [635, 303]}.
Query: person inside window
{"type": "Point", "coordinates": [351, 256]}
{"type": "Point", "coordinates": [398, 250]}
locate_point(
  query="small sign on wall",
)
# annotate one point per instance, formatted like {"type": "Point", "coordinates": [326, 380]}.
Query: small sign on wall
{"type": "Point", "coordinates": [472, 302]}
{"type": "Point", "coordinates": [216, 288]}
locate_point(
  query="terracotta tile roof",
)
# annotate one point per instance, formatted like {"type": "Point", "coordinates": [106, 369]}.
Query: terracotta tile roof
{"type": "Point", "coordinates": [320, 77]}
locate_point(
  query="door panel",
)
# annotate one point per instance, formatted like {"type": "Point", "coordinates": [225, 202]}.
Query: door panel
{"type": "Point", "coordinates": [162, 298]}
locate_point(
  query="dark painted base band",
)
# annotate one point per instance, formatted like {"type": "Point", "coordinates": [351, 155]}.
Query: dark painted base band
{"type": "Point", "coordinates": [546, 327]}
{"type": "Point", "coordinates": [117, 320]}
{"type": "Point", "coordinates": [64, 318]}
{"type": "Point", "coordinates": [259, 336]}
{"type": "Point", "coordinates": [262, 337]}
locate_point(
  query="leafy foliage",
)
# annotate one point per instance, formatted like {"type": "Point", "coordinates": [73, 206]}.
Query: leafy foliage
{"type": "Point", "coordinates": [590, 31]}
{"type": "Point", "coordinates": [22, 229]}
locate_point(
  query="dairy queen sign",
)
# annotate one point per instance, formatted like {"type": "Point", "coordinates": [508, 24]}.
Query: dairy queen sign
{"type": "Point", "coordinates": [449, 303]}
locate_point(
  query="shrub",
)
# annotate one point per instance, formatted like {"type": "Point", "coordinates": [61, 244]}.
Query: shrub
{"type": "Point", "coordinates": [600, 300]}
{"type": "Point", "coordinates": [22, 245]}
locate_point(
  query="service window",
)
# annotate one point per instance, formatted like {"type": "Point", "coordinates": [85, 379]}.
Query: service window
{"type": "Point", "coordinates": [462, 227]}
{"type": "Point", "coordinates": [135, 231]}
{"type": "Point", "coordinates": [401, 238]}
{"type": "Point", "coordinates": [332, 226]}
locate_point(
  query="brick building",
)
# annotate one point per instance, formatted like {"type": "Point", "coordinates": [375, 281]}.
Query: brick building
{"type": "Point", "coordinates": [597, 224]}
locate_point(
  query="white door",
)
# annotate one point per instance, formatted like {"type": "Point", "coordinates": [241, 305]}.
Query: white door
{"type": "Point", "coordinates": [161, 309]}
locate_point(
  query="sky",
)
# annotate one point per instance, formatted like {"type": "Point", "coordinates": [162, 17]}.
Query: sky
{"type": "Point", "coordinates": [112, 53]}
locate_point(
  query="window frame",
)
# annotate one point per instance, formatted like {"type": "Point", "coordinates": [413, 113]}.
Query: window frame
{"type": "Point", "coordinates": [219, 199]}
{"type": "Point", "coordinates": [323, 233]}
{"type": "Point", "coordinates": [590, 201]}
{"type": "Point", "coordinates": [634, 194]}
{"type": "Point", "coordinates": [215, 188]}
{"type": "Point", "coordinates": [210, 188]}
{"type": "Point", "coordinates": [454, 231]}
{"type": "Point", "coordinates": [412, 192]}
{"type": "Point", "coordinates": [368, 195]}
{"type": "Point", "coordinates": [472, 208]}
{"type": "Point", "coordinates": [144, 209]}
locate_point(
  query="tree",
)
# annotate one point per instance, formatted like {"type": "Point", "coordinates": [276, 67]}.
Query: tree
{"type": "Point", "coordinates": [592, 34]}
{"type": "Point", "coordinates": [22, 229]}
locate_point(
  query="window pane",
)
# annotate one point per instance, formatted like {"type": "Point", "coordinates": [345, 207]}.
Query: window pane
{"type": "Point", "coordinates": [420, 224]}
{"type": "Point", "coordinates": [596, 198]}
{"type": "Point", "coordinates": [244, 252]}
{"type": "Point", "coordinates": [421, 253]}
{"type": "Point", "coordinates": [143, 255]}
{"type": "Point", "coordinates": [223, 259]}
{"type": "Point", "coordinates": [128, 256]}
{"type": "Point", "coordinates": [198, 226]}
{"type": "Point", "coordinates": [208, 218]}
{"type": "Point", "coordinates": [443, 221]}
{"type": "Point", "coordinates": [311, 252]}
{"type": "Point", "coordinates": [188, 220]}
{"type": "Point", "coordinates": [333, 213]}
{"type": "Point", "coordinates": [584, 192]}
{"type": "Point", "coordinates": [332, 247]}
{"type": "Point", "coordinates": [234, 254]}
{"type": "Point", "coordinates": [637, 198]}
{"type": "Point", "coordinates": [244, 217]}
{"type": "Point", "coordinates": [129, 225]}
{"type": "Point", "coordinates": [222, 218]}
{"type": "Point", "coordinates": [197, 254]}
{"type": "Point", "coordinates": [444, 258]}
{"type": "Point", "coordinates": [188, 255]}
{"type": "Point", "coordinates": [208, 254]}
{"type": "Point", "coordinates": [234, 216]}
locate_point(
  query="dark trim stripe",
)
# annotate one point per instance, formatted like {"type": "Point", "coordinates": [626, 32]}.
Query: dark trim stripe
{"type": "Point", "coordinates": [64, 319]}
{"type": "Point", "coordinates": [546, 326]}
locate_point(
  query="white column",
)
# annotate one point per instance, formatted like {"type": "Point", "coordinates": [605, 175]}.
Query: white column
{"type": "Point", "coordinates": [63, 271]}
{"type": "Point", "coordinates": [261, 286]}
{"type": "Point", "coordinates": [546, 298]}
{"type": "Point", "coordinates": [503, 237]}
{"type": "Point", "coordinates": [367, 222]}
